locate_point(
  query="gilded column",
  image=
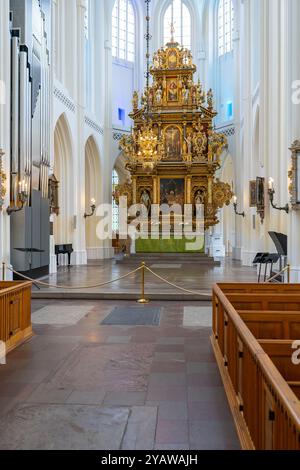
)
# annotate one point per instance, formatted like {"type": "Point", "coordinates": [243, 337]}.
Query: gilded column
{"type": "Point", "coordinates": [134, 190]}
{"type": "Point", "coordinates": [155, 195]}
{"type": "Point", "coordinates": [209, 189]}
{"type": "Point", "coordinates": [189, 190]}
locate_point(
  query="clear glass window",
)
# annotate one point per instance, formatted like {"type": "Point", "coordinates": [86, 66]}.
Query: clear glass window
{"type": "Point", "coordinates": [123, 30]}
{"type": "Point", "coordinates": [225, 27]}
{"type": "Point", "coordinates": [179, 15]}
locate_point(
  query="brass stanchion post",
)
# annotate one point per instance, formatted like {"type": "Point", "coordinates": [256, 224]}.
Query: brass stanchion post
{"type": "Point", "coordinates": [288, 273]}
{"type": "Point", "coordinates": [142, 300]}
{"type": "Point", "coordinates": [3, 271]}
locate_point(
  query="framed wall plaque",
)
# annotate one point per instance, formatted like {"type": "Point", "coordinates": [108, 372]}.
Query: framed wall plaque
{"type": "Point", "coordinates": [294, 176]}
{"type": "Point", "coordinates": [252, 193]}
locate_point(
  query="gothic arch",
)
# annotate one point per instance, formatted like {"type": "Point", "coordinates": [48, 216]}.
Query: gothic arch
{"type": "Point", "coordinates": [63, 170]}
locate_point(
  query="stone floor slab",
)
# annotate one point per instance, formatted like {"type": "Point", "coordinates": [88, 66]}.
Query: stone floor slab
{"type": "Point", "coordinates": [197, 316]}
{"type": "Point", "coordinates": [55, 315]}
{"type": "Point", "coordinates": [63, 427]}
{"type": "Point", "coordinates": [140, 431]}
{"type": "Point", "coordinates": [169, 431]}
{"type": "Point", "coordinates": [209, 435]}
{"type": "Point", "coordinates": [119, 398]}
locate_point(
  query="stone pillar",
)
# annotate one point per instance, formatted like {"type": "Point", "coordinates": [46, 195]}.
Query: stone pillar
{"type": "Point", "coordinates": [5, 127]}
{"type": "Point", "coordinates": [108, 164]}
{"type": "Point", "coordinates": [293, 124]}
{"type": "Point", "coordinates": [80, 254]}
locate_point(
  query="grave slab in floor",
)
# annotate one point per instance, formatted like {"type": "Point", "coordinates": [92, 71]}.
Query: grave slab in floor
{"type": "Point", "coordinates": [138, 315]}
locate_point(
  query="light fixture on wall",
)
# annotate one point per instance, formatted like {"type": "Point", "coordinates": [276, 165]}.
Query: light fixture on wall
{"type": "Point", "coordinates": [294, 176]}
{"type": "Point", "coordinates": [23, 195]}
{"type": "Point", "coordinates": [271, 192]}
{"type": "Point", "coordinates": [93, 209]}
{"type": "Point", "coordinates": [2, 181]}
{"type": "Point", "coordinates": [242, 214]}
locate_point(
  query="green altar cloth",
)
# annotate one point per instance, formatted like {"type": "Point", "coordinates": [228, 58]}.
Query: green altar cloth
{"type": "Point", "coordinates": [170, 245]}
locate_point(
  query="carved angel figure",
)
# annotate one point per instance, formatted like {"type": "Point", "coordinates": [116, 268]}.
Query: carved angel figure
{"type": "Point", "coordinates": [185, 95]}
{"type": "Point", "coordinates": [210, 99]}
{"type": "Point", "coordinates": [189, 144]}
{"type": "Point", "coordinates": [145, 200]}
{"type": "Point", "coordinates": [135, 101]}
{"type": "Point", "coordinates": [159, 95]}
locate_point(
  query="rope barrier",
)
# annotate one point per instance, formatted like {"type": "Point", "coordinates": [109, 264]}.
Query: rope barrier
{"type": "Point", "coordinates": [142, 268]}
{"type": "Point", "coordinates": [174, 285]}
{"type": "Point", "coordinates": [287, 269]}
{"type": "Point", "coordinates": [56, 286]}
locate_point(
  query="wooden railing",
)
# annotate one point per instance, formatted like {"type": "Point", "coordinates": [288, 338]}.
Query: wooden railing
{"type": "Point", "coordinates": [15, 313]}
{"type": "Point", "coordinates": [265, 408]}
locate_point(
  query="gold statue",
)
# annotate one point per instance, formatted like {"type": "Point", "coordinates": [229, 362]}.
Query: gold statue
{"type": "Point", "coordinates": [146, 200]}
{"type": "Point", "coordinates": [210, 99]}
{"type": "Point", "coordinates": [135, 101]}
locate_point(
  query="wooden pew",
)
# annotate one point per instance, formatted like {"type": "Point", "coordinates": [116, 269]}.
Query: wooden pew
{"type": "Point", "coordinates": [15, 313]}
{"type": "Point", "coordinates": [272, 324]}
{"type": "Point", "coordinates": [250, 287]}
{"type": "Point", "coordinates": [263, 301]}
{"type": "Point", "coordinates": [280, 351]}
{"type": "Point", "coordinates": [264, 404]}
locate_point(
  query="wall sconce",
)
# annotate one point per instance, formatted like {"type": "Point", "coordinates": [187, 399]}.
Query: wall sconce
{"type": "Point", "coordinates": [2, 182]}
{"type": "Point", "coordinates": [242, 214]}
{"type": "Point", "coordinates": [271, 192]}
{"type": "Point", "coordinates": [22, 198]}
{"type": "Point", "coordinates": [93, 209]}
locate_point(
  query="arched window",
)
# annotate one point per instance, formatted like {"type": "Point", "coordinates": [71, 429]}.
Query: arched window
{"type": "Point", "coordinates": [225, 26]}
{"type": "Point", "coordinates": [115, 207]}
{"type": "Point", "coordinates": [179, 15]}
{"type": "Point", "coordinates": [123, 30]}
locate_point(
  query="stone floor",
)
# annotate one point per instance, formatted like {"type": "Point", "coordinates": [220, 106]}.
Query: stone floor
{"type": "Point", "coordinates": [193, 277]}
{"type": "Point", "coordinates": [83, 385]}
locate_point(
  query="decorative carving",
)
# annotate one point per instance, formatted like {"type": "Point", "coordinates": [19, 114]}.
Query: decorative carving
{"type": "Point", "coordinates": [135, 101]}
{"type": "Point", "coordinates": [123, 190]}
{"type": "Point", "coordinates": [222, 194]}
{"type": "Point", "coordinates": [93, 125]}
{"type": "Point", "coordinates": [216, 144]}
{"type": "Point", "coordinates": [173, 137]}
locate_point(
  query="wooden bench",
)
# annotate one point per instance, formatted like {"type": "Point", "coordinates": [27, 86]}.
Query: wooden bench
{"type": "Point", "coordinates": [263, 301]}
{"type": "Point", "coordinates": [272, 324]}
{"type": "Point", "coordinates": [260, 380]}
{"type": "Point", "coordinates": [15, 313]}
{"type": "Point", "coordinates": [247, 287]}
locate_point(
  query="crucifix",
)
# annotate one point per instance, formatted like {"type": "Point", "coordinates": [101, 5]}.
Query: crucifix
{"type": "Point", "coordinates": [172, 27]}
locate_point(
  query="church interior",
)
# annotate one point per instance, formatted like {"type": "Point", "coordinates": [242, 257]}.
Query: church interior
{"type": "Point", "coordinates": [149, 225]}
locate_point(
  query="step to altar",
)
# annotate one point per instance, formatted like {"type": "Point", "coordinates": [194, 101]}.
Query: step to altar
{"type": "Point", "coordinates": [167, 259]}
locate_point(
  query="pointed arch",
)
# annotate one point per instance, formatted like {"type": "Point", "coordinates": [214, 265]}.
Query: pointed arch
{"type": "Point", "coordinates": [63, 170]}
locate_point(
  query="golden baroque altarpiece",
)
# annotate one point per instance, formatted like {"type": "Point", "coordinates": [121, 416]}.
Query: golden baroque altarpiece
{"type": "Point", "coordinates": [173, 152]}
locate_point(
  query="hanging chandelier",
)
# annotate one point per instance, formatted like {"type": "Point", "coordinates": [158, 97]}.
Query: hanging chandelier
{"type": "Point", "coordinates": [145, 147]}
{"type": "Point", "coordinates": [147, 142]}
